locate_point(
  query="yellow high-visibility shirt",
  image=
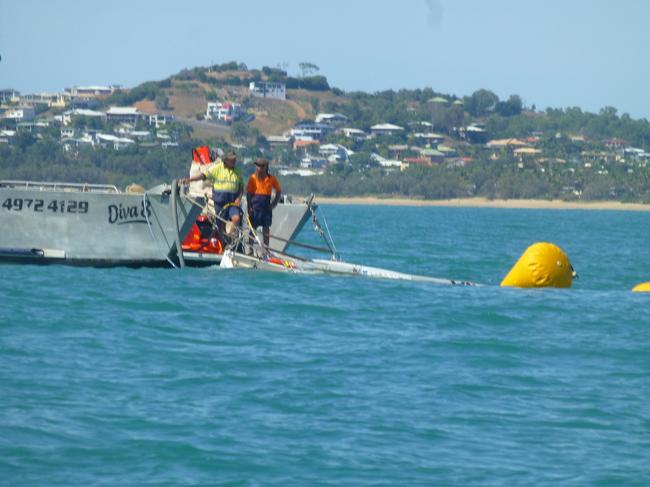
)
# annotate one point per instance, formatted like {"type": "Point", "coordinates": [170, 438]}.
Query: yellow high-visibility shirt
{"type": "Point", "coordinates": [225, 179]}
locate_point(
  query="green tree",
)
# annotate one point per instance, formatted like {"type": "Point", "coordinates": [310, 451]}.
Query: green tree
{"type": "Point", "coordinates": [482, 102]}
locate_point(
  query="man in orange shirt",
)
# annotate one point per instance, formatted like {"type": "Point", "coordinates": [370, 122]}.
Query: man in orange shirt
{"type": "Point", "coordinates": [259, 190]}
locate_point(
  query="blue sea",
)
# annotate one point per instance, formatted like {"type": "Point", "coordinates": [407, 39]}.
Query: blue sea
{"type": "Point", "coordinates": [132, 377]}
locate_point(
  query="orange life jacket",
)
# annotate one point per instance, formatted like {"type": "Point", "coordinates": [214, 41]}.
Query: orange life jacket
{"type": "Point", "coordinates": [202, 155]}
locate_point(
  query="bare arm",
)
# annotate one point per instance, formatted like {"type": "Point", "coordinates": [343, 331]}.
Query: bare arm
{"type": "Point", "coordinates": [276, 199]}
{"type": "Point", "coordinates": [196, 177]}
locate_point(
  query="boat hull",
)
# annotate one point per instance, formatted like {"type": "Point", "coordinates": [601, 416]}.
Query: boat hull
{"type": "Point", "coordinates": [94, 225]}
{"type": "Point", "coordinates": [65, 224]}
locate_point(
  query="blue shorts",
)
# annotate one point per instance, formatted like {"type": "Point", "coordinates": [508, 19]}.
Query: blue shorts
{"type": "Point", "coordinates": [261, 217]}
{"type": "Point", "coordinates": [222, 199]}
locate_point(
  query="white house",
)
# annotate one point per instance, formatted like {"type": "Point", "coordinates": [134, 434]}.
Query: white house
{"type": "Point", "coordinates": [159, 119]}
{"type": "Point", "coordinates": [5, 135]}
{"type": "Point", "coordinates": [117, 142]}
{"type": "Point", "coordinates": [225, 112]}
{"type": "Point", "coordinates": [90, 91]}
{"type": "Point", "coordinates": [429, 137]}
{"type": "Point", "coordinates": [335, 152]}
{"type": "Point", "coordinates": [279, 140]}
{"type": "Point", "coordinates": [388, 163]}
{"type": "Point", "coordinates": [331, 118]}
{"type": "Point", "coordinates": [356, 134]}
{"type": "Point", "coordinates": [309, 162]}
{"type": "Point", "coordinates": [268, 89]}
{"type": "Point", "coordinates": [310, 131]}
{"type": "Point", "coordinates": [20, 113]}
{"type": "Point", "coordinates": [123, 114]}
{"type": "Point", "coordinates": [9, 95]}
{"type": "Point", "coordinates": [67, 133]}
{"type": "Point", "coordinates": [301, 172]}
{"type": "Point", "coordinates": [68, 115]}
{"type": "Point", "coordinates": [386, 129]}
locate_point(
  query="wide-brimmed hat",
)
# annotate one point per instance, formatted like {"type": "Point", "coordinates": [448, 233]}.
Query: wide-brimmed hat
{"type": "Point", "coordinates": [262, 162]}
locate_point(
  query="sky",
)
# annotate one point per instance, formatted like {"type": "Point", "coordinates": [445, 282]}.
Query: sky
{"type": "Point", "coordinates": [552, 53]}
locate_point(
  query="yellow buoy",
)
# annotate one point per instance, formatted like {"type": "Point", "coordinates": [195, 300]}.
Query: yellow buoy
{"type": "Point", "coordinates": [644, 287]}
{"type": "Point", "coordinates": [541, 265]}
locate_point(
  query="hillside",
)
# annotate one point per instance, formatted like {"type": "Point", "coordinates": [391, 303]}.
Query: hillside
{"type": "Point", "coordinates": [416, 143]}
{"type": "Point", "coordinates": [186, 95]}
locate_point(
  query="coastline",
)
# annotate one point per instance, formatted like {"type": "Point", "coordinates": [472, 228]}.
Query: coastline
{"type": "Point", "coordinates": [486, 203]}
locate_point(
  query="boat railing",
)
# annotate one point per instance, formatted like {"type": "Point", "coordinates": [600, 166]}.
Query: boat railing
{"type": "Point", "coordinates": [56, 186]}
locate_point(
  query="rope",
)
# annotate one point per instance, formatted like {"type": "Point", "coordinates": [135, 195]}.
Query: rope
{"type": "Point", "coordinates": [153, 237]}
{"type": "Point", "coordinates": [177, 232]}
{"type": "Point", "coordinates": [319, 229]}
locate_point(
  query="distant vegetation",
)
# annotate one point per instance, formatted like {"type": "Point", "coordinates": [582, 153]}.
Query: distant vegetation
{"type": "Point", "coordinates": [577, 162]}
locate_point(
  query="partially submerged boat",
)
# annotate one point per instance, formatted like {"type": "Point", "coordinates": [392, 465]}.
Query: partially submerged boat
{"type": "Point", "coordinates": [99, 225]}
{"type": "Point", "coordinates": [167, 225]}
{"type": "Point", "coordinates": [246, 251]}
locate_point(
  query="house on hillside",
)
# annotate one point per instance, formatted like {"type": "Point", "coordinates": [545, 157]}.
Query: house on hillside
{"type": "Point", "coordinates": [395, 151]}
{"type": "Point", "coordinates": [123, 114]}
{"type": "Point", "coordinates": [354, 134]}
{"type": "Point", "coordinates": [268, 89]}
{"type": "Point", "coordinates": [429, 137]}
{"type": "Point", "coordinates": [90, 91]}
{"type": "Point", "coordinates": [70, 115]}
{"type": "Point", "coordinates": [334, 119]}
{"type": "Point", "coordinates": [526, 153]}
{"type": "Point", "coordinates": [9, 95]}
{"type": "Point", "coordinates": [417, 161]}
{"type": "Point", "coordinates": [386, 163]}
{"type": "Point", "coordinates": [474, 134]}
{"type": "Point", "coordinates": [386, 129]}
{"type": "Point", "coordinates": [615, 143]}
{"type": "Point", "coordinates": [279, 140]}
{"type": "Point", "coordinates": [433, 155]}
{"type": "Point", "coordinates": [160, 119]}
{"type": "Point", "coordinates": [311, 162]}
{"type": "Point", "coordinates": [310, 131]}
{"type": "Point", "coordinates": [335, 152]}
{"type": "Point", "coordinates": [23, 113]}
{"type": "Point", "coordinates": [118, 143]}
{"type": "Point", "coordinates": [223, 111]}
{"type": "Point", "coordinates": [305, 146]}
{"type": "Point", "coordinates": [50, 100]}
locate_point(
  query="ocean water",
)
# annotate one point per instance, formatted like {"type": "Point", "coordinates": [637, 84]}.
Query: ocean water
{"type": "Point", "coordinates": [137, 377]}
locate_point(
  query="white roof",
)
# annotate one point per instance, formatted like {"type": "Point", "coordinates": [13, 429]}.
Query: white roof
{"type": "Point", "coordinates": [330, 147]}
{"type": "Point", "coordinates": [353, 131]}
{"type": "Point", "coordinates": [429, 135]}
{"type": "Point", "coordinates": [300, 172]}
{"type": "Point", "coordinates": [113, 138]}
{"type": "Point", "coordinates": [85, 112]}
{"type": "Point", "coordinates": [382, 161]}
{"type": "Point", "coordinates": [386, 126]}
{"type": "Point", "coordinates": [123, 111]}
{"type": "Point", "coordinates": [328, 116]}
{"type": "Point", "coordinates": [95, 88]}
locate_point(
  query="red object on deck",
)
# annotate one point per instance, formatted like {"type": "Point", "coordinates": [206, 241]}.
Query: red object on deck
{"type": "Point", "coordinates": [195, 241]}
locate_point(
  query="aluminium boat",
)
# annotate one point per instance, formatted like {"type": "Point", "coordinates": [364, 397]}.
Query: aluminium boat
{"type": "Point", "coordinates": [99, 225]}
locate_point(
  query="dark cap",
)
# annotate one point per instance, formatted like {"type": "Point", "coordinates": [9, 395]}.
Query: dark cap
{"type": "Point", "coordinates": [230, 156]}
{"type": "Point", "coordinates": [261, 162]}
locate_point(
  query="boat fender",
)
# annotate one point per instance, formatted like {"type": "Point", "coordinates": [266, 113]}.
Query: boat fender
{"type": "Point", "coordinates": [543, 264]}
{"type": "Point", "coordinates": [643, 287]}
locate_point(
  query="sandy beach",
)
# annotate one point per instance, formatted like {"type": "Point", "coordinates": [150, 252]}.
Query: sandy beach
{"type": "Point", "coordinates": [487, 203]}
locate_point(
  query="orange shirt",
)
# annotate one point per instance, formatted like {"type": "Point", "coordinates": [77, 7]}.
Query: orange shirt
{"type": "Point", "coordinates": [263, 187]}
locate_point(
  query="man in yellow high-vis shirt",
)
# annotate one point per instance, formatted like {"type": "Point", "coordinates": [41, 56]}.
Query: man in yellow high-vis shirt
{"type": "Point", "coordinates": [227, 187]}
